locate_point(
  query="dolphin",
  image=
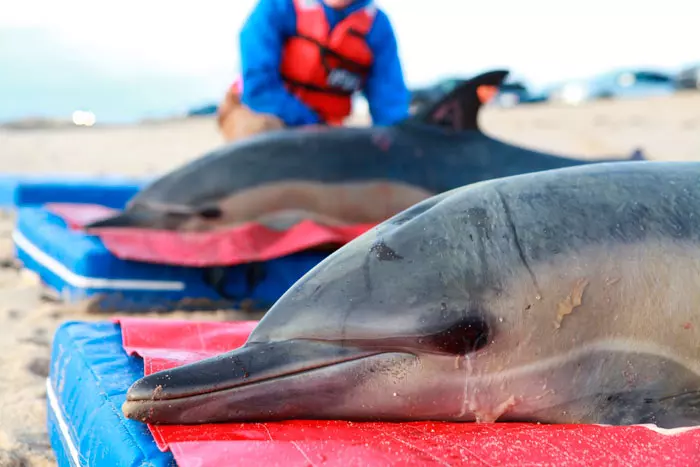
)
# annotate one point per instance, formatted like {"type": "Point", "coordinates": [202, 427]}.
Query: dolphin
{"type": "Point", "coordinates": [564, 296]}
{"type": "Point", "coordinates": [336, 175]}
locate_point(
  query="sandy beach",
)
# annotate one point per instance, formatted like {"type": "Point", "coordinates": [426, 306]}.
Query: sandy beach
{"type": "Point", "coordinates": [665, 128]}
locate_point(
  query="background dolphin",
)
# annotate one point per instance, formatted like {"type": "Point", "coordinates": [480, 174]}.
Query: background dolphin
{"type": "Point", "coordinates": [378, 171]}
{"type": "Point", "coordinates": [567, 296]}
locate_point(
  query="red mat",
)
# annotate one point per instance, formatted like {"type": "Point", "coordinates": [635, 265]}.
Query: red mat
{"type": "Point", "coordinates": [168, 343]}
{"type": "Point", "coordinates": [246, 243]}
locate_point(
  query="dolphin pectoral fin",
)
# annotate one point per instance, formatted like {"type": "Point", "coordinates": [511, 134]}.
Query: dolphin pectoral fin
{"type": "Point", "coordinates": [650, 389]}
{"type": "Point", "coordinates": [681, 410]}
{"type": "Point", "coordinates": [647, 407]}
{"type": "Point", "coordinates": [222, 388]}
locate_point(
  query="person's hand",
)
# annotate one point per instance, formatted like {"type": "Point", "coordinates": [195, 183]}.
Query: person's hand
{"type": "Point", "coordinates": [240, 122]}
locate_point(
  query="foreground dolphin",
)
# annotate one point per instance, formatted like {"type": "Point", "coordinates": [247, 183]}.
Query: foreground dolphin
{"type": "Point", "coordinates": [336, 175]}
{"type": "Point", "coordinates": [567, 296]}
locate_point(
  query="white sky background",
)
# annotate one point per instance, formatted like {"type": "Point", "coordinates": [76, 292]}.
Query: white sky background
{"type": "Point", "coordinates": [540, 40]}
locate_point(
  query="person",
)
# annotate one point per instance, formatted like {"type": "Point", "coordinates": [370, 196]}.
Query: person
{"type": "Point", "coordinates": [236, 121]}
{"type": "Point", "coordinates": [302, 61]}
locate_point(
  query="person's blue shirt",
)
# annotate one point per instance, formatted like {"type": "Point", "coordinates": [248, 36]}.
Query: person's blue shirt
{"type": "Point", "coordinates": [261, 42]}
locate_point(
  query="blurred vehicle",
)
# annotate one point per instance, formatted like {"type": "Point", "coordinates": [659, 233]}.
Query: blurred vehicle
{"type": "Point", "coordinates": [510, 93]}
{"type": "Point", "coordinates": [209, 109]}
{"type": "Point", "coordinates": [539, 96]}
{"type": "Point", "coordinates": [614, 85]}
{"type": "Point", "coordinates": [425, 95]}
{"type": "Point", "coordinates": [689, 78]}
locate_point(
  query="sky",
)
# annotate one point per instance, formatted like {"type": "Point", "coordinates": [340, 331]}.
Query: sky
{"type": "Point", "coordinates": [542, 41]}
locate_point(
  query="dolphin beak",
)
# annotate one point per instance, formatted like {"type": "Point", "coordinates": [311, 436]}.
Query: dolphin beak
{"type": "Point", "coordinates": [123, 219]}
{"type": "Point", "coordinates": [259, 381]}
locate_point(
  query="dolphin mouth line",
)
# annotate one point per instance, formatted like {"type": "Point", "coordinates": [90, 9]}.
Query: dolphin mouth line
{"type": "Point", "coordinates": [160, 392]}
{"type": "Point", "coordinates": [264, 399]}
{"type": "Point", "coordinates": [157, 406]}
{"type": "Point", "coordinates": [277, 377]}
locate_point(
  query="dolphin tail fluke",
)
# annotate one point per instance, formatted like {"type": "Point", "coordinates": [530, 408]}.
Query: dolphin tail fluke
{"type": "Point", "coordinates": [459, 110]}
{"type": "Point", "coordinates": [638, 155]}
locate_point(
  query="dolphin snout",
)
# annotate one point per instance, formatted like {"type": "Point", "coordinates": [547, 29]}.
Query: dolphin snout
{"type": "Point", "coordinates": [229, 383]}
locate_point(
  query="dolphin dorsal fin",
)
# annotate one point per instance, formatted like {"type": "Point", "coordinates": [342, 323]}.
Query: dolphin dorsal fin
{"type": "Point", "coordinates": [459, 109]}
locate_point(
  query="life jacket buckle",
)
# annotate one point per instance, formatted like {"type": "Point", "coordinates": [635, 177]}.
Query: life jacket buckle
{"type": "Point", "coordinates": [344, 79]}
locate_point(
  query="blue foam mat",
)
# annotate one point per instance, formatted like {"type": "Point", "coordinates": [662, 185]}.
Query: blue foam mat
{"type": "Point", "coordinates": [8, 185]}
{"type": "Point", "coordinates": [88, 379]}
{"type": "Point", "coordinates": [24, 190]}
{"type": "Point", "coordinates": [78, 266]}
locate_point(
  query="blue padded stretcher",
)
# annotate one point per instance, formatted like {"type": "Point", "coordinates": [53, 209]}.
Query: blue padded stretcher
{"type": "Point", "coordinates": [89, 376]}
{"type": "Point", "coordinates": [25, 190]}
{"type": "Point", "coordinates": [77, 266]}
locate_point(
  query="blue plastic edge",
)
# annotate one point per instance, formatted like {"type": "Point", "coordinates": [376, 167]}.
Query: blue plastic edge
{"type": "Point", "coordinates": [26, 190]}
{"type": "Point", "coordinates": [89, 376]}
{"type": "Point", "coordinates": [84, 255]}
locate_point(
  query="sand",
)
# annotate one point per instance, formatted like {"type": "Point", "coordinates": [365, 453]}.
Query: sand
{"type": "Point", "coordinates": [666, 128]}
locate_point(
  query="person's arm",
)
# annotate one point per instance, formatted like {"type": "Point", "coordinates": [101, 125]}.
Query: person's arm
{"type": "Point", "coordinates": [385, 89]}
{"type": "Point", "coordinates": [261, 42]}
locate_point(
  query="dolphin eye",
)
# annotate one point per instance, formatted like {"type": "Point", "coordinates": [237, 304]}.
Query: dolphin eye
{"type": "Point", "coordinates": [467, 335]}
{"type": "Point", "coordinates": [210, 212]}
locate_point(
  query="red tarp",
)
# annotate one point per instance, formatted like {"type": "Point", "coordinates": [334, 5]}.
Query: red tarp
{"type": "Point", "coordinates": [245, 243]}
{"type": "Point", "coordinates": [168, 343]}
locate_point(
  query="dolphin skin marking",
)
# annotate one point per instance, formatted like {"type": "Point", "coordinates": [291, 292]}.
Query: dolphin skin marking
{"type": "Point", "coordinates": [336, 175]}
{"type": "Point", "coordinates": [565, 296]}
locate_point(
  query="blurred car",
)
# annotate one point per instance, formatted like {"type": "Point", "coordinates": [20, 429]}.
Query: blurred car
{"type": "Point", "coordinates": [614, 85]}
{"type": "Point", "coordinates": [208, 109]}
{"type": "Point", "coordinates": [509, 94]}
{"type": "Point", "coordinates": [429, 94]}
{"type": "Point", "coordinates": [689, 78]}
{"type": "Point", "coordinates": [541, 95]}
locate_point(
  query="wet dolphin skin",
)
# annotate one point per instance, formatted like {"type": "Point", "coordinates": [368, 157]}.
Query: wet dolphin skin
{"type": "Point", "coordinates": [335, 175]}
{"type": "Point", "coordinates": [564, 296]}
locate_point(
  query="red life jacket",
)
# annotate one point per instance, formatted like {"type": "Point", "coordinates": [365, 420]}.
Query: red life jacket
{"type": "Point", "coordinates": [324, 68]}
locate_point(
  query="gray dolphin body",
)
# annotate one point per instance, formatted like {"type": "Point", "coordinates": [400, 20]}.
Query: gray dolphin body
{"type": "Point", "coordinates": [336, 175]}
{"type": "Point", "coordinates": [566, 296]}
